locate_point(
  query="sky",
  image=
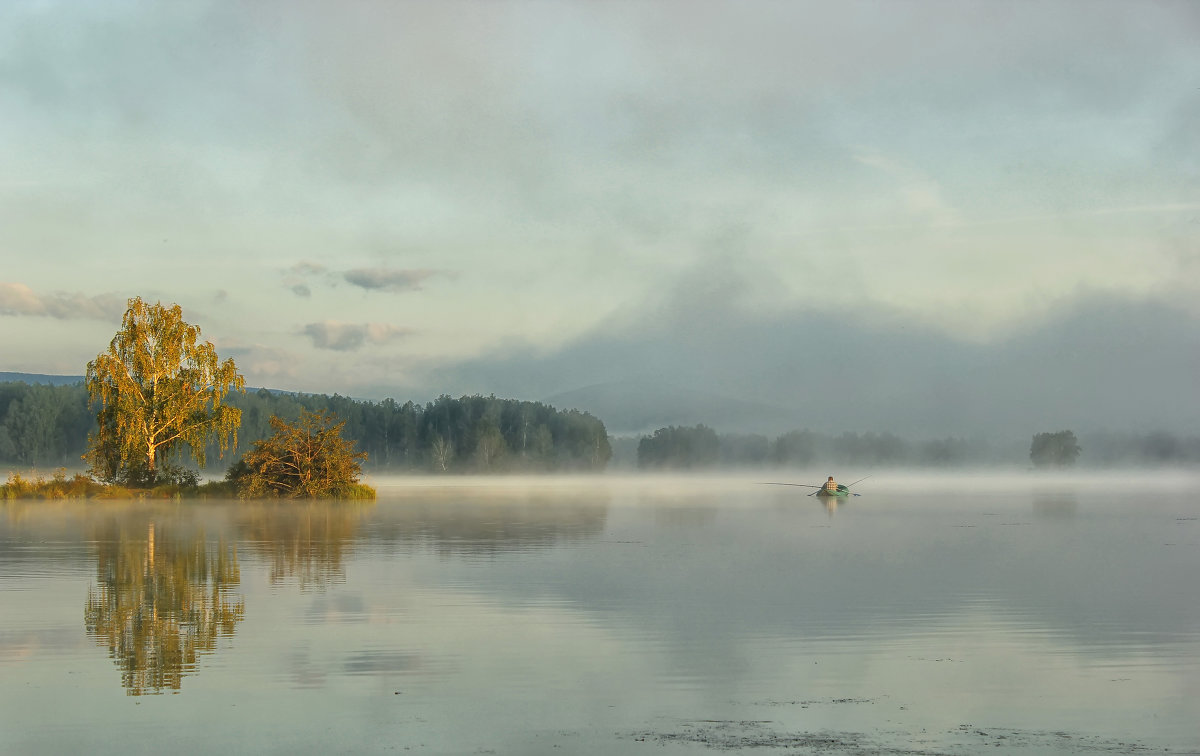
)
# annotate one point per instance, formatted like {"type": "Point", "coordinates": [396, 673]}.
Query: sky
{"type": "Point", "coordinates": [525, 198]}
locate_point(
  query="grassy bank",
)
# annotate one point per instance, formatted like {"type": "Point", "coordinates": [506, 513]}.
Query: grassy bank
{"type": "Point", "coordinates": [80, 486]}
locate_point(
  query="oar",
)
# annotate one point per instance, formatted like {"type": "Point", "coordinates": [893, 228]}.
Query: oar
{"type": "Point", "coordinates": [860, 480]}
{"type": "Point", "coordinates": [802, 485]}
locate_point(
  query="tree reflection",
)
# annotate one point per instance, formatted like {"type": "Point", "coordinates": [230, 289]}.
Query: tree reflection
{"type": "Point", "coordinates": [163, 598]}
{"type": "Point", "coordinates": [1060, 504]}
{"type": "Point", "coordinates": [308, 542]}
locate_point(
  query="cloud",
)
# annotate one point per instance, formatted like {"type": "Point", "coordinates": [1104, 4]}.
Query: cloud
{"type": "Point", "coordinates": [387, 279]}
{"type": "Point", "coordinates": [918, 195]}
{"type": "Point", "coordinates": [263, 362]}
{"type": "Point", "coordinates": [306, 268]}
{"type": "Point", "coordinates": [296, 277]}
{"type": "Point", "coordinates": [381, 333]}
{"type": "Point", "coordinates": [346, 337]}
{"type": "Point", "coordinates": [880, 162]}
{"type": "Point", "coordinates": [19, 299]}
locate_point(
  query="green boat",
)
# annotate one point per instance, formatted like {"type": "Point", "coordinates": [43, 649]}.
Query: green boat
{"type": "Point", "coordinates": [841, 491]}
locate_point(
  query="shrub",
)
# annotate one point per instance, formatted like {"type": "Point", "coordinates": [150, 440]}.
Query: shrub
{"type": "Point", "coordinates": [305, 459]}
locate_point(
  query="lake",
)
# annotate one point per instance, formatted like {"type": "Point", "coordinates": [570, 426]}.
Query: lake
{"type": "Point", "coordinates": [930, 615]}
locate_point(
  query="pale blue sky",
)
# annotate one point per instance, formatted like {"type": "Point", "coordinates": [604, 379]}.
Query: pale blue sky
{"type": "Point", "coordinates": [360, 197]}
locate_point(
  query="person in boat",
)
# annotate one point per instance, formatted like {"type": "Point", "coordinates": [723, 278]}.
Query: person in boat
{"type": "Point", "coordinates": [830, 485]}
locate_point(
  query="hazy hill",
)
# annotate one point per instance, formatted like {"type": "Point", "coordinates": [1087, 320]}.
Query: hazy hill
{"type": "Point", "coordinates": [641, 406]}
{"type": "Point", "coordinates": [1097, 363]}
{"type": "Point", "coordinates": [48, 380]}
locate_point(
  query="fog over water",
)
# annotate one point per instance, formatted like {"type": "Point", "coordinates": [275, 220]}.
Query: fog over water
{"type": "Point", "coordinates": [967, 614]}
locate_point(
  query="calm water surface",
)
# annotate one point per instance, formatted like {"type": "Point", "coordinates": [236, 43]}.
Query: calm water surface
{"type": "Point", "coordinates": [1017, 615]}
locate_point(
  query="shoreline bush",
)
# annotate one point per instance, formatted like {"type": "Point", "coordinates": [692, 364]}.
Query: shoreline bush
{"type": "Point", "coordinates": [307, 459]}
{"type": "Point", "coordinates": [59, 486]}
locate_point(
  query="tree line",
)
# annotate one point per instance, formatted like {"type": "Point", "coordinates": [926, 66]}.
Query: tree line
{"type": "Point", "coordinates": [448, 435]}
{"type": "Point", "coordinates": [49, 425]}
{"type": "Point", "coordinates": [699, 447]}
{"type": "Point", "coordinates": [43, 425]}
{"type": "Point", "coordinates": [702, 447]}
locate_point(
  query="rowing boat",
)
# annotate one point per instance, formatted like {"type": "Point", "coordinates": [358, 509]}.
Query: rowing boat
{"type": "Point", "coordinates": [841, 491]}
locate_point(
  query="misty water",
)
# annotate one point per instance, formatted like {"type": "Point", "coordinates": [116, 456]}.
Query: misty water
{"type": "Point", "coordinates": [935, 615]}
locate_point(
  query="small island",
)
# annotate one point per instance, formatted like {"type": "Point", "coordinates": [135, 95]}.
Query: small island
{"type": "Point", "coordinates": [161, 392]}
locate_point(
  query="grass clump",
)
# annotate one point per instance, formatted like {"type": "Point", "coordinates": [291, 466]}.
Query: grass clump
{"type": "Point", "coordinates": [57, 486]}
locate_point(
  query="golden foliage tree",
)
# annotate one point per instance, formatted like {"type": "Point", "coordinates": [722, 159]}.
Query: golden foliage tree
{"type": "Point", "coordinates": [305, 459]}
{"type": "Point", "coordinates": [159, 388]}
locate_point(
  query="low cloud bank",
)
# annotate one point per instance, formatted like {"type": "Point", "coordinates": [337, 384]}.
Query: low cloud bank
{"type": "Point", "coordinates": [1098, 363]}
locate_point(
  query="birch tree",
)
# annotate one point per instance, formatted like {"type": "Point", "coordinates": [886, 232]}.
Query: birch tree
{"type": "Point", "coordinates": [159, 388]}
{"type": "Point", "coordinates": [490, 447]}
{"type": "Point", "coordinates": [441, 451]}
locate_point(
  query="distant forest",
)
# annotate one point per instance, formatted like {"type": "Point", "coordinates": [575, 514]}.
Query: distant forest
{"type": "Point", "coordinates": [44, 425]}
{"type": "Point", "coordinates": [48, 425]}
{"type": "Point", "coordinates": [700, 447]}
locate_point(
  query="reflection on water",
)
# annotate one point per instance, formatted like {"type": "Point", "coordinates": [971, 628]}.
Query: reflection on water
{"type": "Point", "coordinates": [493, 522]}
{"type": "Point", "coordinates": [1037, 617]}
{"type": "Point", "coordinates": [683, 518]}
{"type": "Point", "coordinates": [165, 593]}
{"type": "Point", "coordinates": [163, 597]}
{"type": "Point", "coordinates": [1055, 504]}
{"type": "Point", "coordinates": [798, 498]}
{"type": "Point", "coordinates": [305, 541]}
